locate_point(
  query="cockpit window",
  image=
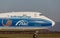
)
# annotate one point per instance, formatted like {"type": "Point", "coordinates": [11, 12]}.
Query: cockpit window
{"type": "Point", "coordinates": [40, 14]}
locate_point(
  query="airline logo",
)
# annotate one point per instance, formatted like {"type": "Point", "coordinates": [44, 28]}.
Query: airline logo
{"type": "Point", "coordinates": [22, 22]}
{"type": "Point", "coordinates": [8, 23]}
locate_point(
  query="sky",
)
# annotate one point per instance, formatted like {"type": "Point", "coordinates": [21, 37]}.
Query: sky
{"type": "Point", "coordinates": [50, 8]}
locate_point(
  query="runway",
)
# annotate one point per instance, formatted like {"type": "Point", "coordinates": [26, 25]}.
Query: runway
{"type": "Point", "coordinates": [26, 34]}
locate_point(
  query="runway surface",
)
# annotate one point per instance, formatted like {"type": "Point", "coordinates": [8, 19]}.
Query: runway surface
{"type": "Point", "coordinates": [26, 35]}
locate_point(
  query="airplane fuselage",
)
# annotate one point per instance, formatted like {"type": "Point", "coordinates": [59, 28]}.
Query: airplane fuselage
{"type": "Point", "coordinates": [24, 20]}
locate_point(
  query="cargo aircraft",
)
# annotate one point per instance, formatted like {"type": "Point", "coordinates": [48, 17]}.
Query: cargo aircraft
{"type": "Point", "coordinates": [25, 21]}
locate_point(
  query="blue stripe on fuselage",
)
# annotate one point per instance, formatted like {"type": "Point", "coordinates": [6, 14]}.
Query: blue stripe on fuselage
{"type": "Point", "coordinates": [31, 22]}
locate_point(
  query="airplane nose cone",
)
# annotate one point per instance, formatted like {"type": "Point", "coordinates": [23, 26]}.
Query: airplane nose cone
{"type": "Point", "coordinates": [53, 23]}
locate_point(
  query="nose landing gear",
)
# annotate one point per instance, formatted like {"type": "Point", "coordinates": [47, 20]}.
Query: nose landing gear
{"type": "Point", "coordinates": [35, 35]}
